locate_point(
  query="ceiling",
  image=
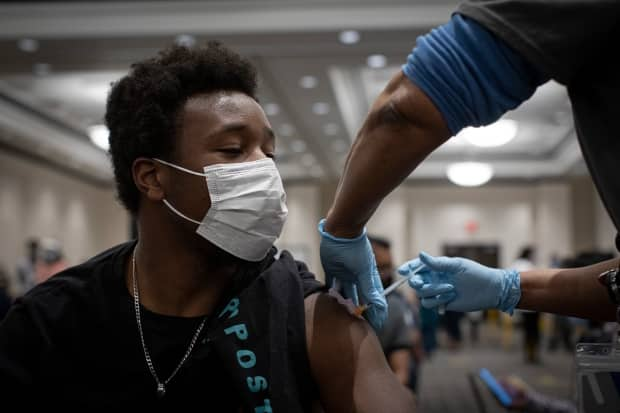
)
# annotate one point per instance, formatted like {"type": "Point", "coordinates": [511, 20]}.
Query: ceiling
{"type": "Point", "coordinates": [52, 90]}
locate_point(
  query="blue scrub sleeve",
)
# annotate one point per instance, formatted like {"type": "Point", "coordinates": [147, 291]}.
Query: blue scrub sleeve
{"type": "Point", "coordinates": [471, 76]}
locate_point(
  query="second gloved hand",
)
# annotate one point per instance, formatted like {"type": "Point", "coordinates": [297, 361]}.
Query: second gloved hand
{"type": "Point", "coordinates": [352, 262]}
{"type": "Point", "coordinates": [462, 284]}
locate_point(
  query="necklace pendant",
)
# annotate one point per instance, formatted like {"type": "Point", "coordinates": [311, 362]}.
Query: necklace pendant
{"type": "Point", "coordinates": [161, 390]}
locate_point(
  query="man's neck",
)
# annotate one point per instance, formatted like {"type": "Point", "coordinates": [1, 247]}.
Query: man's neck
{"type": "Point", "coordinates": [177, 276]}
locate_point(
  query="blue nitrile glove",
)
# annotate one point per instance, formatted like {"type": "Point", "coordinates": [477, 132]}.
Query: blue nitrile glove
{"type": "Point", "coordinates": [352, 262]}
{"type": "Point", "coordinates": [462, 284]}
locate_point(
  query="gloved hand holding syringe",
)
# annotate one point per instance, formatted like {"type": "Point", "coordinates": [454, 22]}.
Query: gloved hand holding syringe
{"type": "Point", "coordinates": [361, 308]}
{"type": "Point", "coordinates": [461, 284]}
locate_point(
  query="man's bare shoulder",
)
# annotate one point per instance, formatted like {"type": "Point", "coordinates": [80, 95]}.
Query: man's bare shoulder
{"type": "Point", "coordinates": [330, 315]}
{"type": "Point", "coordinates": [347, 361]}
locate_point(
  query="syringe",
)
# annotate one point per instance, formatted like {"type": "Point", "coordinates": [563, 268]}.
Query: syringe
{"type": "Point", "coordinates": [441, 310]}
{"type": "Point", "coordinates": [361, 308]}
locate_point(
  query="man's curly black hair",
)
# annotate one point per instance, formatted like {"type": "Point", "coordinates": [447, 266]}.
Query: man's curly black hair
{"type": "Point", "coordinates": [143, 107]}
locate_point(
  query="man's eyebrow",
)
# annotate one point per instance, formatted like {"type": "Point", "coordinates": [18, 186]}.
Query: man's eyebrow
{"type": "Point", "coordinates": [229, 127]}
{"type": "Point", "coordinates": [240, 127]}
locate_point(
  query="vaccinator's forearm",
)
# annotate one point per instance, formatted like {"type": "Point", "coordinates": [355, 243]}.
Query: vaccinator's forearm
{"type": "Point", "coordinates": [402, 128]}
{"type": "Point", "coordinates": [573, 292]}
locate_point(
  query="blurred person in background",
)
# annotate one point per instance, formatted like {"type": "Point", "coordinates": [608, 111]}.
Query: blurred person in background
{"type": "Point", "coordinates": [396, 335]}
{"type": "Point", "coordinates": [418, 353]}
{"type": "Point", "coordinates": [488, 59]}
{"type": "Point", "coordinates": [581, 330]}
{"type": "Point", "coordinates": [451, 323]}
{"type": "Point", "coordinates": [26, 269]}
{"type": "Point", "coordinates": [562, 327]}
{"type": "Point", "coordinates": [5, 296]}
{"type": "Point", "coordinates": [51, 259]}
{"type": "Point", "coordinates": [530, 319]}
{"type": "Point", "coordinates": [475, 318]}
{"type": "Point", "coordinates": [429, 321]}
{"type": "Point", "coordinates": [199, 310]}
{"type": "Point", "coordinates": [561, 334]}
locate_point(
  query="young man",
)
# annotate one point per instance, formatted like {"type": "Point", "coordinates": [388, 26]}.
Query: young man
{"type": "Point", "coordinates": [198, 310]}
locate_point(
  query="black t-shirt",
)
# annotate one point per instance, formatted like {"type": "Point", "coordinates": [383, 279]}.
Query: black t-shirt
{"type": "Point", "coordinates": [74, 340]}
{"type": "Point", "coordinates": [397, 331]}
{"type": "Point", "coordinates": [575, 42]}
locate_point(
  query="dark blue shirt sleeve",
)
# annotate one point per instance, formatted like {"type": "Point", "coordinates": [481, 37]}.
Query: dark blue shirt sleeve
{"type": "Point", "coordinates": [471, 76]}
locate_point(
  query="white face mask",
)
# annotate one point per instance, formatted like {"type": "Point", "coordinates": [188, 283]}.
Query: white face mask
{"type": "Point", "coordinates": [248, 207]}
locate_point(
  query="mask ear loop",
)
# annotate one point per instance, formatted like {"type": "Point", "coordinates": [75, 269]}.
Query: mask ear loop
{"type": "Point", "coordinates": [180, 168]}
{"type": "Point", "coordinates": [189, 171]}
{"type": "Point", "coordinates": [179, 213]}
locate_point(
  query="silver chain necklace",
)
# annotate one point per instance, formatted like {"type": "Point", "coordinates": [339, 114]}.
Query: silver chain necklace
{"type": "Point", "coordinates": [161, 386]}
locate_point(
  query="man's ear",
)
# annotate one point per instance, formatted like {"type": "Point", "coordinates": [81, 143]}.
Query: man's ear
{"type": "Point", "coordinates": [147, 177]}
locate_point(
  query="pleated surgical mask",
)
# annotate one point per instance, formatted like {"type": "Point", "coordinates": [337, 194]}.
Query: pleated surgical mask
{"type": "Point", "coordinates": [248, 207]}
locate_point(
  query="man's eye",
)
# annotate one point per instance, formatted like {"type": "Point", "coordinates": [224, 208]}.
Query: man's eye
{"type": "Point", "coordinates": [232, 151]}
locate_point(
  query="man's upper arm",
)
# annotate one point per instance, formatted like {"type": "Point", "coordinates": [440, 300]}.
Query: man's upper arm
{"type": "Point", "coordinates": [347, 362]}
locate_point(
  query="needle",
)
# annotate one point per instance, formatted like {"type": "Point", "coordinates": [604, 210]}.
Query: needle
{"type": "Point", "coordinates": [400, 282]}
{"type": "Point", "coordinates": [360, 309]}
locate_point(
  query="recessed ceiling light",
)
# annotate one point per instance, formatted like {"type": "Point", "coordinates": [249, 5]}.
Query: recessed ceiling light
{"type": "Point", "coordinates": [99, 136]}
{"type": "Point", "coordinates": [331, 129]}
{"type": "Point", "coordinates": [298, 146]}
{"type": "Point", "coordinates": [186, 40]}
{"type": "Point", "coordinates": [28, 45]}
{"type": "Point", "coordinates": [320, 108]}
{"type": "Point", "coordinates": [470, 173]}
{"type": "Point", "coordinates": [286, 129]}
{"type": "Point", "coordinates": [308, 82]}
{"type": "Point", "coordinates": [496, 134]}
{"type": "Point", "coordinates": [376, 61]}
{"type": "Point", "coordinates": [42, 69]}
{"type": "Point", "coordinates": [272, 109]}
{"type": "Point", "coordinates": [349, 36]}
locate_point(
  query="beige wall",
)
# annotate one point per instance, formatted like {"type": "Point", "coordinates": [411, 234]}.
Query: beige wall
{"type": "Point", "coordinates": [504, 216]}
{"type": "Point", "coordinates": [592, 227]}
{"type": "Point", "coordinates": [553, 229]}
{"type": "Point", "coordinates": [391, 222]}
{"type": "Point", "coordinates": [300, 235]}
{"type": "Point", "coordinates": [605, 232]}
{"type": "Point", "coordinates": [510, 216]}
{"type": "Point", "coordinates": [584, 213]}
{"type": "Point", "coordinates": [36, 201]}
